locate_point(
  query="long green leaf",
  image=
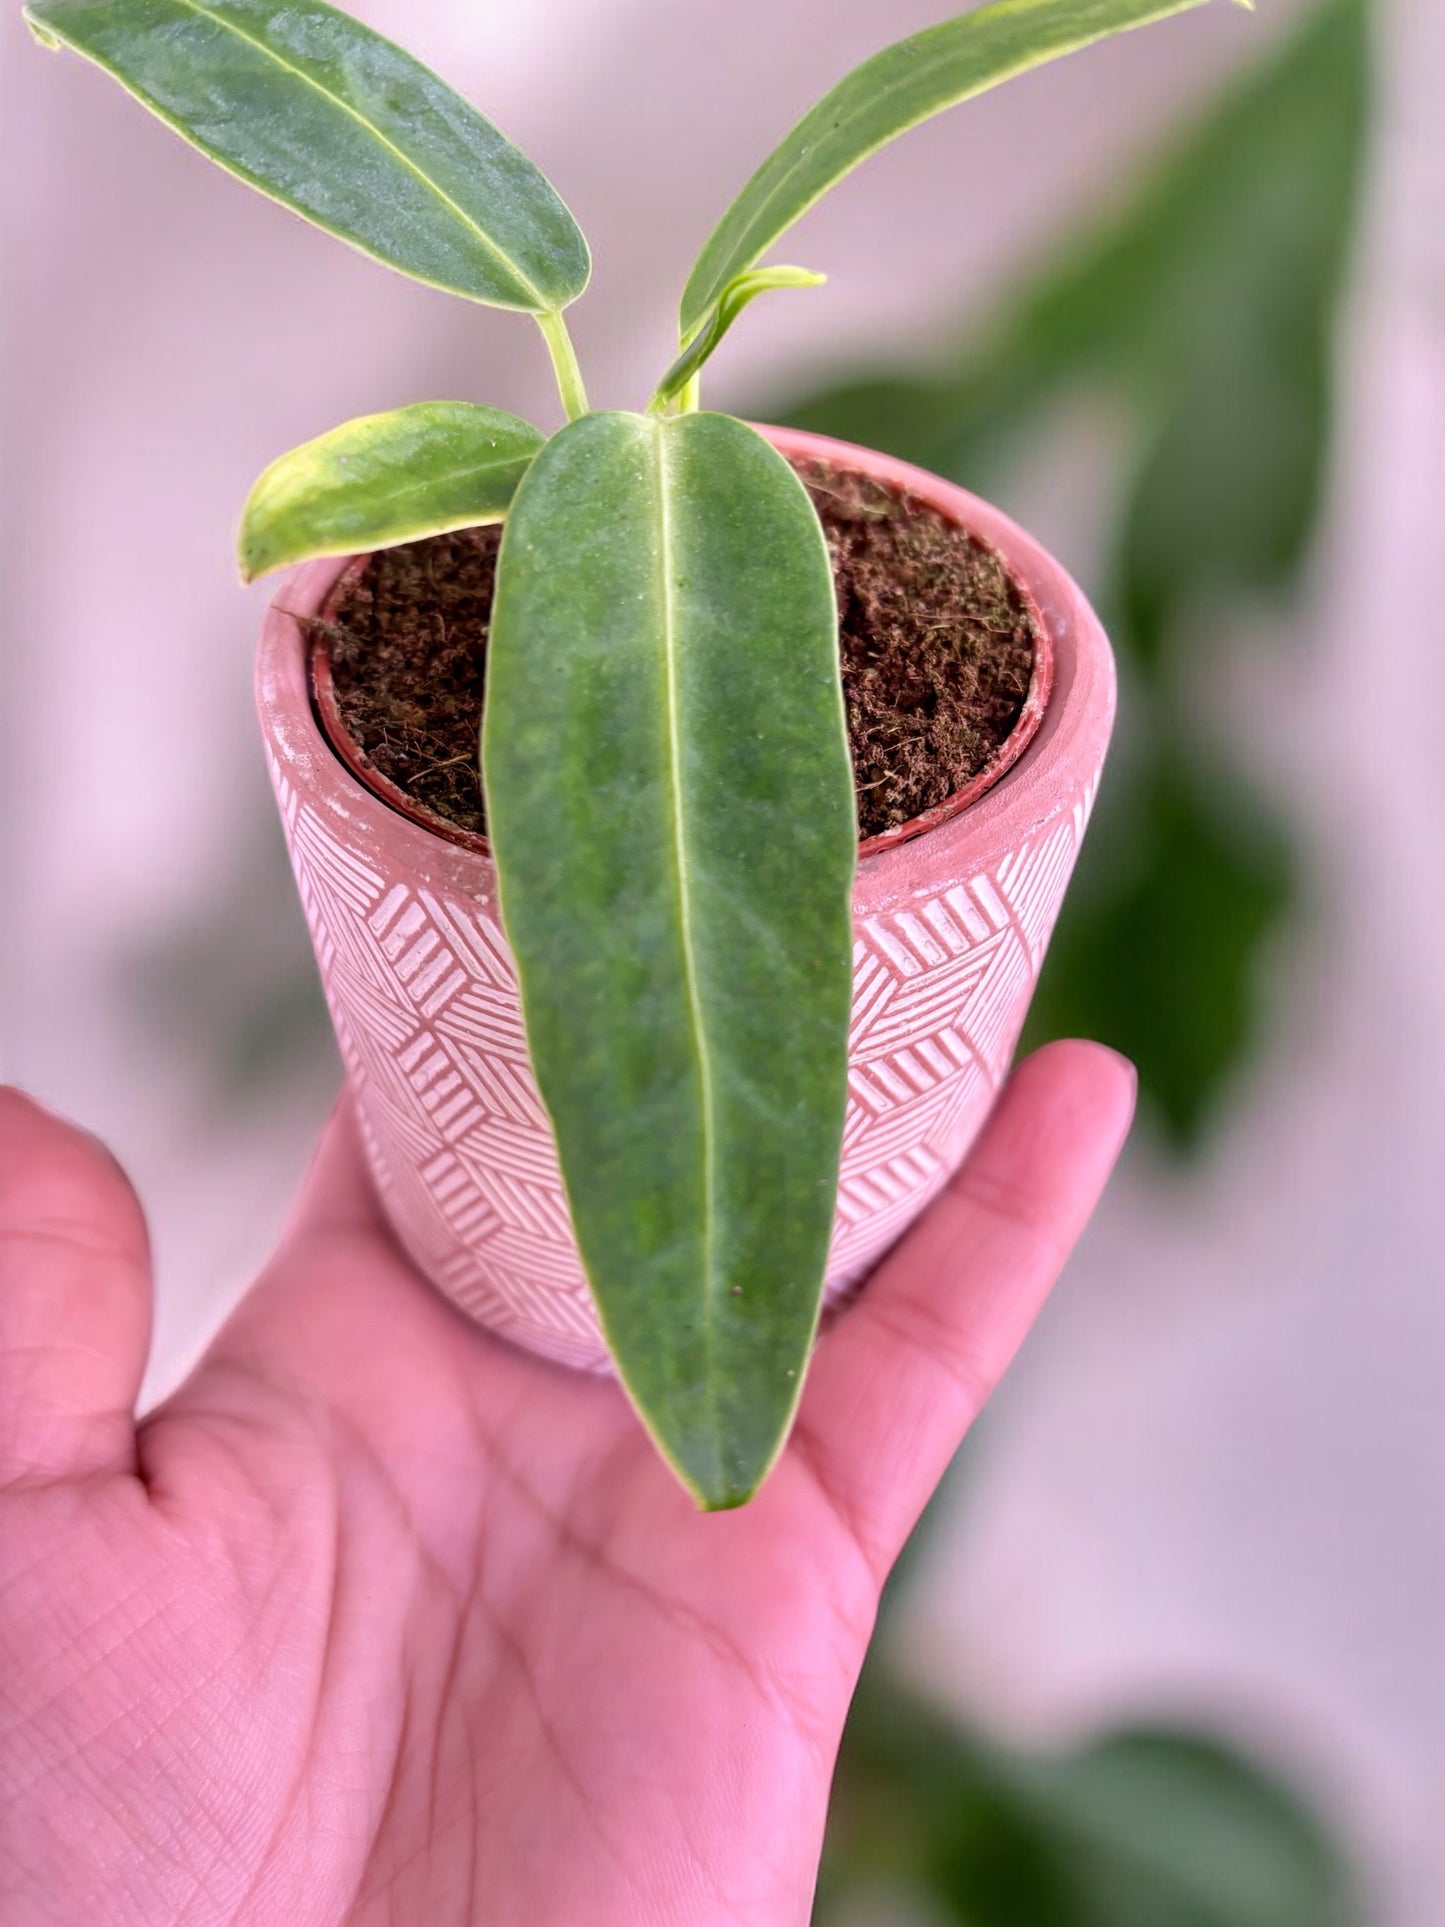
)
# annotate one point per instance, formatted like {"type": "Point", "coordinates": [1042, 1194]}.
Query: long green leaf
{"type": "Point", "coordinates": [895, 90]}
{"type": "Point", "coordinates": [671, 807]}
{"type": "Point", "coordinates": [336, 123]}
{"type": "Point", "coordinates": [384, 479]}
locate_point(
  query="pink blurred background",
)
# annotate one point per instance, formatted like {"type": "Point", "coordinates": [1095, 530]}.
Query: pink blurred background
{"type": "Point", "coordinates": [1215, 1481]}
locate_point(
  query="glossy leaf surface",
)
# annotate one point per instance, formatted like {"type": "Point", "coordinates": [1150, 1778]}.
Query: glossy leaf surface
{"type": "Point", "coordinates": [670, 802]}
{"type": "Point", "coordinates": [384, 479]}
{"type": "Point", "coordinates": [895, 90]}
{"type": "Point", "coordinates": [339, 125]}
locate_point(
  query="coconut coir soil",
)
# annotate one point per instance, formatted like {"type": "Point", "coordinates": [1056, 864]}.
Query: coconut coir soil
{"type": "Point", "coordinates": [937, 646]}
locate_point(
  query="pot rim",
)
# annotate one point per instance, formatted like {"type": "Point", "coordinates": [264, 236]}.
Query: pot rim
{"type": "Point", "coordinates": [789, 442]}
{"type": "Point", "coordinates": [1054, 778]}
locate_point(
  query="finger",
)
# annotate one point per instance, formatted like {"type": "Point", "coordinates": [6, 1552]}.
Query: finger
{"type": "Point", "coordinates": [905, 1370]}
{"type": "Point", "coordinates": [339, 1305]}
{"type": "Point", "coordinates": [338, 1194]}
{"type": "Point", "coordinates": [328, 1314]}
{"type": "Point", "coordinates": [337, 1258]}
{"type": "Point", "coordinates": [75, 1300]}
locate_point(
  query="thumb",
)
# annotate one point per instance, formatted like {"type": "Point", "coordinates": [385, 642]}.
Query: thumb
{"type": "Point", "coordinates": [75, 1300]}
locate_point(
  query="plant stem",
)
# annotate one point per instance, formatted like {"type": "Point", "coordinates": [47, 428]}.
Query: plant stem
{"type": "Point", "coordinates": [681, 384]}
{"type": "Point", "coordinates": [564, 363]}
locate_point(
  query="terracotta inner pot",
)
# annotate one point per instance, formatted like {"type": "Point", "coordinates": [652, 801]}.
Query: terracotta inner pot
{"type": "Point", "coordinates": [328, 713]}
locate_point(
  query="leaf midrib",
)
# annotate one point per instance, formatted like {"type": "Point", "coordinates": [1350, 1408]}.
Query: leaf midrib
{"type": "Point", "coordinates": [299, 73]}
{"type": "Point", "coordinates": [406, 489]}
{"type": "Point", "coordinates": [679, 843]}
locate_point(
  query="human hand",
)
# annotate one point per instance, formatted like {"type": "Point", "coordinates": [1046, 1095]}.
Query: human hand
{"type": "Point", "coordinates": [380, 1620]}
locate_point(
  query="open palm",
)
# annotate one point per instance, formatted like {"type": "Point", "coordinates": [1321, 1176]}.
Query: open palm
{"type": "Point", "coordinates": [378, 1619]}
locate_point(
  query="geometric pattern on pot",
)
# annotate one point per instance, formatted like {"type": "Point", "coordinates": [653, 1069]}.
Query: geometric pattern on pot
{"type": "Point", "coordinates": [424, 1000]}
{"type": "Point", "coordinates": [940, 993]}
{"type": "Point", "coordinates": [950, 931]}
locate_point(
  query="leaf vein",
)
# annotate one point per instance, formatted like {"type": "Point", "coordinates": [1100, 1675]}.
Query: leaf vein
{"type": "Point", "coordinates": [690, 970]}
{"type": "Point", "coordinates": [494, 248]}
{"type": "Point", "coordinates": [421, 485]}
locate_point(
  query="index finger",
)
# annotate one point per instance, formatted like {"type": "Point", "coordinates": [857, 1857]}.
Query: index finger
{"type": "Point", "coordinates": [905, 1370]}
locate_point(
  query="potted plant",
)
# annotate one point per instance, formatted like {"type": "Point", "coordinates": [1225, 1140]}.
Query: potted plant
{"type": "Point", "coordinates": [596, 1013]}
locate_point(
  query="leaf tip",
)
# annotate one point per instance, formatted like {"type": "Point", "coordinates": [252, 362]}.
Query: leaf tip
{"type": "Point", "coordinates": [251, 558]}
{"type": "Point", "coordinates": [723, 1502]}
{"type": "Point", "coordinates": [723, 1478]}
{"type": "Point", "coordinates": [712, 1477]}
{"type": "Point", "coordinates": [40, 32]}
{"type": "Point", "coordinates": [717, 1489]}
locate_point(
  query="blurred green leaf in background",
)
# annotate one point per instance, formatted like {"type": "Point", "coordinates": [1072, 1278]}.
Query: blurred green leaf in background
{"type": "Point", "coordinates": [1202, 318]}
{"type": "Point", "coordinates": [935, 1823]}
{"type": "Point", "coordinates": [1142, 1828]}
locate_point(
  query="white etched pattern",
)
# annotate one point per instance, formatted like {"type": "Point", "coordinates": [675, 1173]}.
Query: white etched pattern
{"type": "Point", "coordinates": [424, 999]}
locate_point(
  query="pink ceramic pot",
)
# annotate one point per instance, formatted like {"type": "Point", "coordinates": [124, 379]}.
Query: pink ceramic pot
{"type": "Point", "coordinates": [950, 925]}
